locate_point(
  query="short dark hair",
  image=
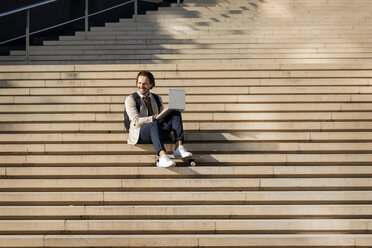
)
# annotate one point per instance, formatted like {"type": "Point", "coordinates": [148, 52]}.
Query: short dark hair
{"type": "Point", "coordinates": [148, 75]}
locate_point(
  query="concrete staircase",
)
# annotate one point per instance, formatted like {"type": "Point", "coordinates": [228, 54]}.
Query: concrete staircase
{"type": "Point", "coordinates": [222, 31]}
{"type": "Point", "coordinates": [284, 144]}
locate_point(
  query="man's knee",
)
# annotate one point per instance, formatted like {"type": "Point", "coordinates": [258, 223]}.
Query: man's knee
{"type": "Point", "coordinates": [154, 124]}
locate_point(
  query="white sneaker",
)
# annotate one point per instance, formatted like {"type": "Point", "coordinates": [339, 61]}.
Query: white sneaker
{"type": "Point", "coordinates": [165, 161]}
{"type": "Point", "coordinates": [181, 152]}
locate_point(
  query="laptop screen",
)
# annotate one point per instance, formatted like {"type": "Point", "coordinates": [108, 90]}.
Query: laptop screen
{"type": "Point", "coordinates": [177, 99]}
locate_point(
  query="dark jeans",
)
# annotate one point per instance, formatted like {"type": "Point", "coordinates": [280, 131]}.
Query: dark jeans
{"type": "Point", "coordinates": [156, 131]}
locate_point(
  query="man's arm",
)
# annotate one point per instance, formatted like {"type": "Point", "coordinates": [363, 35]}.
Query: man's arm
{"type": "Point", "coordinates": [134, 116]}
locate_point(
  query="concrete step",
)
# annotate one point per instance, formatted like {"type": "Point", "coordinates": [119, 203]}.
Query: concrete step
{"type": "Point", "coordinates": [184, 198]}
{"type": "Point", "coordinates": [11, 138]}
{"type": "Point", "coordinates": [116, 127]}
{"type": "Point", "coordinates": [21, 61]}
{"type": "Point", "coordinates": [189, 83]}
{"type": "Point", "coordinates": [162, 42]}
{"type": "Point", "coordinates": [167, 83]}
{"type": "Point", "coordinates": [204, 107]}
{"type": "Point", "coordinates": [191, 240]}
{"type": "Point", "coordinates": [163, 70]}
{"type": "Point", "coordinates": [200, 184]}
{"type": "Point", "coordinates": [118, 172]}
{"type": "Point", "coordinates": [117, 99]}
{"type": "Point", "coordinates": [243, 7]}
{"type": "Point", "coordinates": [242, 10]}
{"type": "Point", "coordinates": [187, 58]}
{"type": "Point", "coordinates": [180, 47]}
{"type": "Point", "coordinates": [206, 159]}
{"type": "Point", "coordinates": [186, 227]}
{"type": "Point", "coordinates": [202, 90]}
{"type": "Point", "coordinates": [129, 25]}
{"type": "Point", "coordinates": [325, 51]}
{"type": "Point", "coordinates": [118, 36]}
{"type": "Point", "coordinates": [186, 8]}
{"type": "Point", "coordinates": [183, 30]}
{"type": "Point", "coordinates": [189, 116]}
{"type": "Point", "coordinates": [185, 48]}
{"type": "Point", "coordinates": [107, 149]}
{"type": "Point", "coordinates": [227, 28]}
{"type": "Point", "coordinates": [266, 14]}
{"type": "Point", "coordinates": [189, 211]}
{"type": "Point", "coordinates": [197, 59]}
{"type": "Point", "coordinates": [233, 14]}
{"type": "Point", "coordinates": [251, 20]}
{"type": "Point", "coordinates": [192, 74]}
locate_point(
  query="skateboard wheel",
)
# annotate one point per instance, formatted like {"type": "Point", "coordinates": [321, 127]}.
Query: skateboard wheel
{"type": "Point", "coordinates": [192, 163]}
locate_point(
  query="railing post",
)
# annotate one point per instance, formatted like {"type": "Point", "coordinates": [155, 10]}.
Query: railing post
{"type": "Point", "coordinates": [135, 10]}
{"type": "Point", "coordinates": [86, 19]}
{"type": "Point", "coordinates": [27, 35]}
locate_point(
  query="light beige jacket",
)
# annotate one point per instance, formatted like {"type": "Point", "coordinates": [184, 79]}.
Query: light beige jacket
{"type": "Point", "coordinates": [141, 118]}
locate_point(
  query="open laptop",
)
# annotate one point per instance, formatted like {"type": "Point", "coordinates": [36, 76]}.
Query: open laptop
{"type": "Point", "coordinates": [177, 99]}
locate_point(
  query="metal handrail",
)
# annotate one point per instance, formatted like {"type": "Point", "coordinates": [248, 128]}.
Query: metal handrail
{"type": "Point", "coordinates": [42, 30]}
{"type": "Point", "coordinates": [64, 23]}
{"type": "Point", "coordinates": [29, 7]}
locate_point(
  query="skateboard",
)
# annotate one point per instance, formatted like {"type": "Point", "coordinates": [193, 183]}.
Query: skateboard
{"type": "Point", "coordinates": [190, 161]}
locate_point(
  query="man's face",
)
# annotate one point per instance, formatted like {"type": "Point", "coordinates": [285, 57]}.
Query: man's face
{"type": "Point", "coordinates": [144, 85]}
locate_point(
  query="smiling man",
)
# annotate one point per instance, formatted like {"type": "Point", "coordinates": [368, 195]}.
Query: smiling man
{"type": "Point", "coordinates": [142, 108]}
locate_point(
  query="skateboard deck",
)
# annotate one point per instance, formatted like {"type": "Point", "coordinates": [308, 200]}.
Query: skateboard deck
{"type": "Point", "coordinates": [190, 161]}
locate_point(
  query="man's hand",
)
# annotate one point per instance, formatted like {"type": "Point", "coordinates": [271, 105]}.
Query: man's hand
{"type": "Point", "coordinates": [154, 117]}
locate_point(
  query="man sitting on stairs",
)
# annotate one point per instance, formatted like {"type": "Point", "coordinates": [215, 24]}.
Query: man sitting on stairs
{"type": "Point", "coordinates": [142, 108]}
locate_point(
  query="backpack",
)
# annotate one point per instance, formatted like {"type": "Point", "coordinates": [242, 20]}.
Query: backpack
{"type": "Point", "coordinates": [137, 98]}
